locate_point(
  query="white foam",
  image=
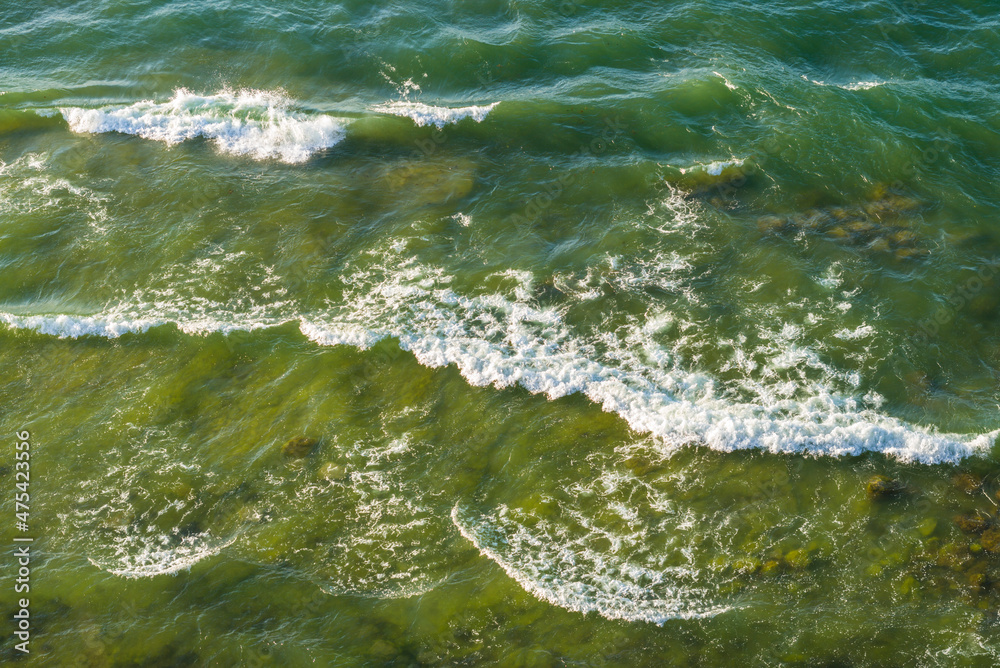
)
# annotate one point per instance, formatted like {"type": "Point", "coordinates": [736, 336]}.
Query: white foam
{"type": "Point", "coordinates": [861, 332]}
{"type": "Point", "coordinates": [506, 339]}
{"type": "Point", "coordinates": [27, 185]}
{"type": "Point", "coordinates": [727, 82]}
{"type": "Point", "coordinates": [648, 407]}
{"type": "Point", "coordinates": [713, 168]}
{"type": "Point", "coordinates": [862, 85]}
{"type": "Point", "coordinates": [425, 114]}
{"type": "Point", "coordinates": [858, 85]}
{"type": "Point", "coordinates": [567, 573]}
{"type": "Point", "coordinates": [72, 327]}
{"type": "Point", "coordinates": [663, 404]}
{"type": "Point", "coordinates": [146, 556]}
{"type": "Point", "coordinates": [257, 124]}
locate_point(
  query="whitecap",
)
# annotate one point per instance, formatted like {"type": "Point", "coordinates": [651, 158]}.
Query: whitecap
{"type": "Point", "coordinates": [257, 124]}
{"type": "Point", "coordinates": [425, 114]}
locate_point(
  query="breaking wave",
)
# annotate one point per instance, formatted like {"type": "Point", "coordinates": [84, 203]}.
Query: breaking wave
{"type": "Point", "coordinates": [538, 352]}
{"type": "Point", "coordinates": [257, 124]}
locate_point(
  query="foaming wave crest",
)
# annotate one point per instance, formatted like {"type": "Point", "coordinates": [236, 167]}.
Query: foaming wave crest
{"type": "Point", "coordinates": [68, 326]}
{"type": "Point", "coordinates": [507, 340]}
{"type": "Point", "coordinates": [145, 556]}
{"type": "Point", "coordinates": [257, 124]}
{"type": "Point", "coordinates": [425, 114]}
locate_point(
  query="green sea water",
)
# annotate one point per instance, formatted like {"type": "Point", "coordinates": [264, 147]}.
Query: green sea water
{"type": "Point", "coordinates": [502, 333]}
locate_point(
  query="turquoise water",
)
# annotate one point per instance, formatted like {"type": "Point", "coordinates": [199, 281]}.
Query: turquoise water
{"type": "Point", "coordinates": [518, 334]}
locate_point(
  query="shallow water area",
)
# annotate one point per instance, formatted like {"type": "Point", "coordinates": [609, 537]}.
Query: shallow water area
{"type": "Point", "coordinates": [516, 334]}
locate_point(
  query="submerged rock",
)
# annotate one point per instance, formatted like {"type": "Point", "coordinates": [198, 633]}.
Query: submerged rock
{"type": "Point", "coordinates": [798, 559]}
{"type": "Point", "coordinates": [747, 565]}
{"type": "Point", "coordinates": [332, 471]}
{"type": "Point", "coordinates": [877, 226]}
{"type": "Point", "coordinates": [955, 556]}
{"type": "Point", "coordinates": [427, 181]}
{"type": "Point", "coordinates": [863, 228]}
{"type": "Point", "coordinates": [772, 224]}
{"type": "Point", "coordinates": [970, 483]}
{"type": "Point", "coordinates": [382, 650]}
{"type": "Point", "coordinates": [907, 585]}
{"type": "Point", "coordinates": [990, 540]}
{"type": "Point", "coordinates": [902, 204]}
{"type": "Point", "coordinates": [838, 232]}
{"type": "Point", "coordinates": [843, 213]}
{"type": "Point", "coordinates": [772, 567]}
{"type": "Point", "coordinates": [882, 486]}
{"type": "Point", "coordinates": [973, 523]}
{"type": "Point", "coordinates": [298, 447]}
{"type": "Point", "coordinates": [911, 253]}
{"type": "Point", "coordinates": [642, 466]}
{"type": "Point", "coordinates": [903, 238]}
{"type": "Point", "coordinates": [926, 528]}
{"type": "Point", "coordinates": [718, 177]}
{"type": "Point", "coordinates": [880, 245]}
{"type": "Point", "coordinates": [976, 573]}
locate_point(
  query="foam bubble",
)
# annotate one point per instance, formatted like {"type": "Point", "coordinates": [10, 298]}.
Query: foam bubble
{"type": "Point", "coordinates": [257, 124]}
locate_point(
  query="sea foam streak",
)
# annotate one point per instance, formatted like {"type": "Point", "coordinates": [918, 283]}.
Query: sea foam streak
{"type": "Point", "coordinates": [442, 328]}
{"type": "Point", "coordinates": [572, 576]}
{"type": "Point", "coordinates": [425, 114]}
{"type": "Point", "coordinates": [252, 123]}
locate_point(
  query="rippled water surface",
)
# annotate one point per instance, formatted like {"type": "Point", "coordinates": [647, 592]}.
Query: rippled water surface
{"type": "Point", "coordinates": [503, 333]}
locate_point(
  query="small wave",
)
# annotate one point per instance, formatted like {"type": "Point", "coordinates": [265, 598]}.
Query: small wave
{"type": "Point", "coordinates": [713, 168]}
{"type": "Point", "coordinates": [425, 114]}
{"type": "Point", "coordinates": [140, 557]}
{"type": "Point", "coordinates": [701, 177]}
{"type": "Point", "coordinates": [72, 327]}
{"type": "Point", "coordinates": [118, 322]}
{"type": "Point", "coordinates": [257, 124]}
{"type": "Point", "coordinates": [579, 579]}
{"type": "Point", "coordinates": [17, 120]}
{"type": "Point", "coordinates": [862, 85]}
{"type": "Point", "coordinates": [857, 85]}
